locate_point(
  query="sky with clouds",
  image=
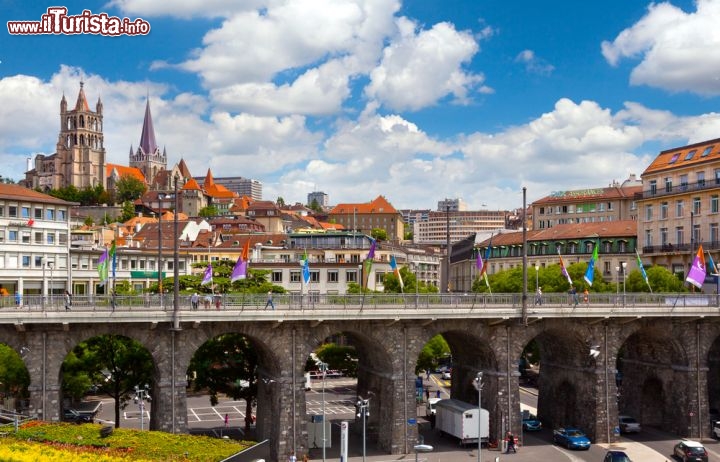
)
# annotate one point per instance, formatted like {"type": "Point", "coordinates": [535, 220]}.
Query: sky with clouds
{"type": "Point", "coordinates": [417, 101]}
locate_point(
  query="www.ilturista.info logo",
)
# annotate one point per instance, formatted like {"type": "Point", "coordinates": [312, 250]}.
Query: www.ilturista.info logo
{"type": "Point", "coordinates": [57, 22]}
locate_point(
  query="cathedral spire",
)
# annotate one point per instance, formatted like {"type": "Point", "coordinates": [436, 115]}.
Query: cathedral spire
{"type": "Point", "coordinates": [147, 139]}
{"type": "Point", "coordinates": [82, 104]}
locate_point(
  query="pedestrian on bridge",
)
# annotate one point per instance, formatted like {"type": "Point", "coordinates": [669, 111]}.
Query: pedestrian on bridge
{"type": "Point", "coordinates": [586, 296]}
{"type": "Point", "coordinates": [68, 300]}
{"type": "Point", "coordinates": [194, 299]}
{"type": "Point", "coordinates": [270, 300]}
{"type": "Point", "coordinates": [538, 296]}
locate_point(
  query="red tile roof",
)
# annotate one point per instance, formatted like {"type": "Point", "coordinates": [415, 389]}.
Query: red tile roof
{"type": "Point", "coordinates": [685, 156]}
{"type": "Point", "coordinates": [605, 229]}
{"type": "Point", "coordinates": [16, 192]}
{"type": "Point", "coordinates": [379, 205]}
{"type": "Point", "coordinates": [122, 171]}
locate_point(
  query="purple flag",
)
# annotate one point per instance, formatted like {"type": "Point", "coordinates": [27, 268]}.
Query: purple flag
{"type": "Point", "coordinates": [207, 276]}
{"type": "Point", "coordinates": [696, 275]}
{"type": "Point", "coordinates": [371, 252]}
{"type": "Point", "coordinates": [239, 271]}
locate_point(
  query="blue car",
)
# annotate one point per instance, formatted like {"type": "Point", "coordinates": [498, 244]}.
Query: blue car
{"type": "Point", "coordinates": [571, 438]}
{"type": "Point", "coordinates": [531, 425]}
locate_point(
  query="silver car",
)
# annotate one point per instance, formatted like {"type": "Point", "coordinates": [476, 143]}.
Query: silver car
{"type": "Point", "coordinates": [629, 424]}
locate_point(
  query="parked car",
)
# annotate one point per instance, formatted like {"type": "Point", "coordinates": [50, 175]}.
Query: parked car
{"type": "Point", "coordinates": [430, 406]}
{"type": "Point", "coordinates": [571, 438]}
{"type": "Point", "coordinates": [690, 451]}
{"type": "Point", "coordinates": [71, 415]}
{"type": "Point", "coordinates": [616, 456]}
{"type": "Point", "coordinates": [716, 430]}
{"type": "Point", "coordinates": [629, 424]}
{"type": "Point", "coordinates": [531, 424]}
{"type": "Point", "coordinates": [446, 375]}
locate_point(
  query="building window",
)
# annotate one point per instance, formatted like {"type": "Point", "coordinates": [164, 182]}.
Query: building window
{"type": "Point", "coordinates": [314, 276]}
{"type": "Point", "coordinates": [63, 237]}
{"type": "Point", "coordinates": [696, 233]}
{"type": "Point", "coordinates": [663, 237]}
{"type": "Point", "coordinates": [38, 261]}
{"type": "Point", "coordinates": [2, 235]}
{"type": "Point", "coordinates": [696, 205]}
{"type": "Point", "coordinates": [714, 203]}
{"type": "Point", "coordinates": [653, 187]}
{"type": "Point", "coordinates": [294, 276]}
{"type": "Point", "coordinates": [38, 214]}
{"type": "Point", "coordinates": [706, 151]}
{"type": "Point", "coordinates": [50, 214]}
{"type": "Point", "coordinates": [25, 237]}
{"type": "Point", "coordinates": [701, 179]}
{"type": "Point", "coordinates": [277, 277]}
{"type": "Point", "coordinates": [668, 184]}
{"type": "Point", "coordinates": [62, 215]}
{"type": "Point", "coordinates": [648, 238]}
{"type": "Point", "coordinates": [38, 237]}
{"type": "Point", "coordinates": [683, 182]}
{"type": "Point", "coordinates": [379, 277]}
{"type": "Point", "coordinates": [351, 276]}
{"type": "Point", "coordinates": [622, 246]}
{"type": "Point", "coordinates": [679, 235]}
{"type": "Point", "coordinates": [26, 261]}
{"type": "Point", "coordinates": [2, 210]}
{"type": "Point", "coordinates": [714, 233]}
{"type": "Point", "coordinates": [679, 208]}
{"type": "Point", "coordinates": [664, 211]}
{"type": "Point", "coordinates": [333, 276]}
{"type": "Point", "coordinates": [25, 212]}
{"type": "Point", "coordinates": [717, 176]}
{"type": "Point", "coordinates": [12, 235]}
{"type": "Point", "coordinates": [648, 212]}
{"type": "Point", "coordinates": [12, 211]}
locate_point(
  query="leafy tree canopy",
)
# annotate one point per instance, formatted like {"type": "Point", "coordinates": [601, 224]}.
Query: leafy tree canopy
{"type": "Point", "coordinates": [379, 234]}
{"type": "Point", "coordinates": [129, 188]}
{"type": "Point", "coordinates": [209, 211]}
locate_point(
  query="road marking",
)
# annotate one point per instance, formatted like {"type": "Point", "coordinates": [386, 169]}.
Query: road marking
{"type": "Point", "coordinates": [564, 452]}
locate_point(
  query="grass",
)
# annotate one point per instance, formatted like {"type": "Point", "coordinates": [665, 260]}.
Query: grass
{"type": "Point", "coordinates": [65, 442]}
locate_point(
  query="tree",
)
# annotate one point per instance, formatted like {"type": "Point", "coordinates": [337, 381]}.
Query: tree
{"type": "Point", "coordinates": [661, 280]}
{"type": "Point", "coordinates": [379, 234]}
{"type": "Point", "coordinates": [129, 188]}
{"type": "Point", "coordinates": [391, 284]}
{"type": "Point", "coordinates": [339, 357]}
{"type": "Point", "coordinates": [315, 206]}
{"type": "Point", "coordinates": [209, 211]}
{"type": "Point", "coordinates": [114, 364]}
{"type": "Point", "coordinates": [14, 376]}
{"type": "Point", "coordinates": [227, 364]}
{"type": "Point", "coordinates": [433, 350]}
{"type": "Point", "coordinates": [128, 211]}
{"type": "Point", "coordinates": [280, 202]}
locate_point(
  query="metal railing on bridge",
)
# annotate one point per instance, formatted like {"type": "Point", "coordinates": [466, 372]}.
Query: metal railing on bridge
{"type": "Point", "coordinates": [371, 301]}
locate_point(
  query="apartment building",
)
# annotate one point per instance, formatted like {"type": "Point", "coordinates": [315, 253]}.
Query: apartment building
{"type": "Point", "coordinates": [364, 217]}
{"type": "Point", "coordinates": [460, 224]}
{"type": "Point", "coordinates": [679, 206]}
{"type": "Point", "coordinates": [34, 230]}
{"type": "Point", "coordinates": [613, 203]}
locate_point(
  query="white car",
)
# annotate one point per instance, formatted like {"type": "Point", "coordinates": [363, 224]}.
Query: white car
{"type": "Point", "coordinates": [430, 407]}
{"type": "Point", "coordinates": [716, 430]}
{"type": "Point", "coordinates": [446, 375]}
{"type": "Point", "coordinates": [629, 424]}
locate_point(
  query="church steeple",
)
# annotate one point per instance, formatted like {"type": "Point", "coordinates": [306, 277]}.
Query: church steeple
{"type": "Point", "coordinates": [147, 138]}
{"type": "Point", "coordinates": [82, 104]}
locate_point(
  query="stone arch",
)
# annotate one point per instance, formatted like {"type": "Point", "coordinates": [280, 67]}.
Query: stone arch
{"type": "Point", "coordinates": [655, 376]}
{"type": "Point", "coordinates": [382, 377]}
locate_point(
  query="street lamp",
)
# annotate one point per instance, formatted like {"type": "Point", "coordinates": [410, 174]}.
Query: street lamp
{"type": "Point", "coordinates": [363, 412]}
{"type": "Point", "coordinates": [51, 265]}
{"type": "Point", "coordinates": [617, 284]}
{"type": "Point", "coordinates": [142, 395]}
{"type": "Point", "coordinates": [624, 267]}
{"type": "Point", "coordinates": [478, 385]}
{"type": "Point", "coordinates": [323, 369]}
{"type": "Point", "coordinates": [537, 276]}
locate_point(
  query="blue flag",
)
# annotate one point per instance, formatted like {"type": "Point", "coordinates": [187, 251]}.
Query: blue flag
{"type": "Point", "coordinates": [590, 273]}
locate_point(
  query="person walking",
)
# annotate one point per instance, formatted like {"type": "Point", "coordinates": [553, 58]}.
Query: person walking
{"type": "Point", "coordinates": [218, 300]}
{"type": "Point", "coordinates": [68, 300]}
{"type": "Point", "coordinates": [510, 438]}
{"type": "Point", "coordinates": [206, 301]}
{"type": "Point", "coordinates": [437, 393]}
{"type": "Point", "coordinates": [270, 300]}
{"type": "Point", "coordinates": [586, 297]}
{"type": "Point", "coordinates": [427, 394]}
{"type": "Point", "coordinates": [538, 296]}
{"type": "Point", "coordinates": [292, 457]}
{"type": "Point", "coordinates": [573, 296]}
{"type": "Point", "coordinates": [194, 299]}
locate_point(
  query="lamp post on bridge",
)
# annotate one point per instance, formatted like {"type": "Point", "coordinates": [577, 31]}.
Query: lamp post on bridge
{"type": "Point", "coordinates": [624, 267]}
{"type": "Point", "coordinates": [363, 412]}
{"type": "Point", "coordinates": [478, 384]}
{"type": "Point", "coordinates": [142, 395]}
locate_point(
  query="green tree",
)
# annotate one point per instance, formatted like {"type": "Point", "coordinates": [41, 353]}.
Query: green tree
{"type": "Point", "coordinates": [433, 350]}
{"type": "Point", "coordinates": [280, 202]}
{"type": "Point", "coordinates": [391, 284]}
{"type": "Point", "coordinates": [315, 206]}
{"type": "Point", "coordinates": [226, 364]}
{"type": "Point", "coordinates": [114, 364]}
{"type": "Point", "coordinates": [209, 211]}
{"type": "Point", "coordinates": [338, 357]}
{"type": "Point", "coordinates": [14, 376]}
{"type": "Point", "coordinates": [129, 188]}
{"type": "Point", "coordinates": [661, 280]}
{"type": "Point", "coordinates": [128, 211]}
{"type": "Point", "coordinates": [379, 234]}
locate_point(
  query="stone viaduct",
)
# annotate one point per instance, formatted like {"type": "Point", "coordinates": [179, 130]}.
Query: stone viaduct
{"type": "Point", "coordinates": [669, 357]}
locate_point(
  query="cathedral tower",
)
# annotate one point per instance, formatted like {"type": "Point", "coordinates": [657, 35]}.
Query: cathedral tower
{"type": "Point", "coordinates": [79, 159]}
{"type": "Point", "coordinates": [148, 158]}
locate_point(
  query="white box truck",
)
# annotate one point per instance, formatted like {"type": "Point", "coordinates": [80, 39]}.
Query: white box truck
{"type": "Point", "coordinates": [460, 419]}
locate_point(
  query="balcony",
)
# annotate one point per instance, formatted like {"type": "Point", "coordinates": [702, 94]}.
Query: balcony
{"type": "Point", "coordinates": [679, 248]}
{"type": "Point", "coordinates": [681, 189]}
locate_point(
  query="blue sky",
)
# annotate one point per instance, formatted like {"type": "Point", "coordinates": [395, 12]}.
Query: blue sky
{"type": "Point", "coordinates": [416, 101]}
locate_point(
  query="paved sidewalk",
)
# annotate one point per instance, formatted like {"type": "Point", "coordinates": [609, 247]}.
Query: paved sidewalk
{"type": "Point", "coordinates": [636, 451]}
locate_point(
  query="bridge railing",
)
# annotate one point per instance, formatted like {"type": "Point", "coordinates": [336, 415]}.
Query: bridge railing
{"type": "Point", "coordinates": [290, 301]}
